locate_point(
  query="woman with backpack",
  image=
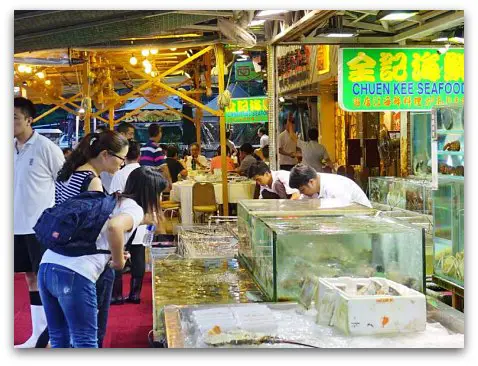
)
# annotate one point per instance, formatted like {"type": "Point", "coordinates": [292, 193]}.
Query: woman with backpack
{"type": "Point", "coordinates": [97, 153]}
{"type": "Point", "coordinates": [67, 283]}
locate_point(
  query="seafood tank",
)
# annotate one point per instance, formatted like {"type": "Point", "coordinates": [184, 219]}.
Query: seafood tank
{"type": "Point", "coordinates": [289, 251]}
{"type": "Point", "coordinates": [412, 193]}
{"type": "Point", "coordinates": [419, 220]}
{"type": "Point", "coordinates": [448, 200]}
{"type": "Point", "coordinates": [181, 281]}
{"type": "Point", "coordinates": [449, 236]}
{"type": "Point", "coordinates": [253, 253]}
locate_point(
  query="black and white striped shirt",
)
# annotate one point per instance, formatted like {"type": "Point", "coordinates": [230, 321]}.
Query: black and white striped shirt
{"type": "Point", "coordinates": [71, 187]}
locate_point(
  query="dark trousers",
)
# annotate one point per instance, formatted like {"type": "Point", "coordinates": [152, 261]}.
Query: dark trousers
{"type": "Point", "coordinates": [104, 289]}
{"type": "Point", "coordinates": [138, 259]}
{"type": "Point", "coordinates": [286, 167]}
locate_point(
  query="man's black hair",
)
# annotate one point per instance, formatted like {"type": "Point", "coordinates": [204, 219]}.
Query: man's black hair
{"type": "Point", "coordinates": [313, 134]}
{"type": "Point", "coordinates": [263, 130]}
{"type": "Point", "coordinates": [154, 130]}
{"type": "Point", "coordinates": [228, 134]}
{"type": "Point", "coordinates": [172, 151]}
{"type": "Point", "coordinates": [247, 148]}
{"type": "Point", "coordinates": [134, 150]}
{"type": "Point", "coordinates": [26, 106]}
{"type": "Point", "coordinates": [123, 127]}
{"type": "Point", "coordinates": [300, 175]}
{"type": "Point", "coordinates": [258, 168]}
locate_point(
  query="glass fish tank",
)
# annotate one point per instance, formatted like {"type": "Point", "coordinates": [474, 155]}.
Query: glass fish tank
{"type": "Point", "coordinates": [249, 212]}
{"type": "Point", "coordinates": [179, 281]}
{"type": "Point", "coordinates": [450, 141]}
{"type": "Point", "coordinates": [419, 220]}
{"type": "Point", "coordinates": [411, 193]}
{"type": "Point", "coordinates": [449, 230]}
{"type": "Point", "coordinates": [288, 251]}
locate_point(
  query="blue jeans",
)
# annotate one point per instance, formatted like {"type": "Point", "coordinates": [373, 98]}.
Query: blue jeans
{"type": "Point", "coordinates": [104, 289]}
{"type": "Point", "coordinates": [69, 300]}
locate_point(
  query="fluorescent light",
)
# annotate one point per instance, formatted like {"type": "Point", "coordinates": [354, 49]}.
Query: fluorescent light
{"type": "Point", "coordinates": [396, 14]}
{"type": "Point", "coordinates": [264, 13]}
{"type": "Point", "coordinates": [281, 99]}
{"type": "Point", "coordinates": [256, 22]}
{"type": "Point", "coordinates": [153, 51]}
{"type": "Point", "coordinates": [238, 52]}
{"type": "Point", "coordinates": [187, 75]}
{"type": "Point", "coordinates": [339, 35]}
{"type": "Point", "coordinates": [457, 40]}
{"type": "Point", "coordinates": [441, 39]}
{"type": "Point", "coordinates": [173, 49]}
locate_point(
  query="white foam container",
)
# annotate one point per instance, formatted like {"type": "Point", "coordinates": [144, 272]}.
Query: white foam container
{"type": "Point", "coordinates": [338, 304]}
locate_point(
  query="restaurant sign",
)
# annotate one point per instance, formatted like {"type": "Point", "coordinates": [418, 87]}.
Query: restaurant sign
{"type": "Point", "coordinates": [247, 110]}
{"type": "Point", "coordinates": [400, 79]}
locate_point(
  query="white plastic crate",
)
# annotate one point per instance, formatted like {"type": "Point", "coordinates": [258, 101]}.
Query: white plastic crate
{"type": "Point", "coordinates": [367, 306]}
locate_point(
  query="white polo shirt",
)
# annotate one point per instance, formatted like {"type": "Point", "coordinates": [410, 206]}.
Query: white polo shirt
{"type": "Point", "coordinates": [264, 140]}
{"type": "Point", "coordinates": [201, 158]}
{"type": "Point", "coordinates": [280, 184]}
{"type": "Point", "coordinates": [288, 145]}
{"type": "Point", "coordinates": [341, 188]}
{"type": "Point", "coordinates": [121, 176]}
{"type": "Point", "coordinates": [35, 169]}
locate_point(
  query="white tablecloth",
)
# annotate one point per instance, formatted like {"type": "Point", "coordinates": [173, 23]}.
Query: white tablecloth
{"type": "Point", "coordinates": [183, 192]}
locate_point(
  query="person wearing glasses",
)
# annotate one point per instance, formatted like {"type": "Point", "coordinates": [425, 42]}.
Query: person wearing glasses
{"type": "Point", "coordinates": [97, 153]}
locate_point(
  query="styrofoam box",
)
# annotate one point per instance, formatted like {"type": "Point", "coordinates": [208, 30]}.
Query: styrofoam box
{"type": "Point", "coordinates": [340, 305]}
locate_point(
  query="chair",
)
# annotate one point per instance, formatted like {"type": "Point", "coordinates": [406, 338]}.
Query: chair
{"type": "Point", "coordinates": [204, 199]}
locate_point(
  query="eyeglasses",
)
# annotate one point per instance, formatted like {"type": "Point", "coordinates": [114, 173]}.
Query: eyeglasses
{"type": "Point", "coordinates": [117, 156]}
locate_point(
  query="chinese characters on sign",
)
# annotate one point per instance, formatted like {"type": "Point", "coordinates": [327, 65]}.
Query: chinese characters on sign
{"type": "Point", "coordinates": [294, 66]}
{"type": "Point", "coordinates": [247, 110]}
{"type": "Point", "coordinates": [375, 79]}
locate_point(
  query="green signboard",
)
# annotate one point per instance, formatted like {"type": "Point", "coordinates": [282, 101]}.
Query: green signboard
{"type": "Point", "coordinates": [400, 79]}
{"type": "Point", "coordinates": [247, 110]}
{"type": "Point", "coordinates": [244, 71]}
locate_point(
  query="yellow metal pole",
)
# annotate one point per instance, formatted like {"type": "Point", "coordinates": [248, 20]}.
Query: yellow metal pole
{"type": "Point", "coordinates": [86, 96]}
{"type": "Point", "coordinates": [222, 129]}
{"type": "Point", "coordinates": [132, 112]}
{"type": "Point", "coordinates": [185, 62]}
{"type": "Point", "coordinates": [111, 117]}
{"type": "Point", "coordinates": [198, 116]}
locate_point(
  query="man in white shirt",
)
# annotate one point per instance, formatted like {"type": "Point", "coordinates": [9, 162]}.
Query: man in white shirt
{"type": "Point", "coordinates": [323, 185]}
{"type": "Point", "coordinates": [276, 182]}
{"type": "Point", "coordinates": [313, 153]}
{"type": "Point", "coordinates": [131, 163]}
{"type": "Point", "coordinates": [287, 146]}
{"type": "Point", "coordinates": [37, 161]}
{"type": "Point", "coordinates": [196, 161]}
{"type": "Point", "coordinates": [262, 133]}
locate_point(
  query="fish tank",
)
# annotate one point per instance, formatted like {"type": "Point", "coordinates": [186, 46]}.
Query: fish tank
{"type": "Point", "coordinates": [289, 251]}
{"type": "Point", "coordinates": [249, 211]}
{"type": "Point", "coordinates": [189, 281]}
{"type": "Point", "coordinates": [450, 133]}
{"type": "Point", "coordinates": [418, 219]}
{"type": "Point", "coordinates": [449, 229]}
{"type": "Point", "coordinates": [411, 193]}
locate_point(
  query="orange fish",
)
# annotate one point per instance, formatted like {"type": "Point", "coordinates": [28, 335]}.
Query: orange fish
{"type": "Point", "coordinates": [385, 320]}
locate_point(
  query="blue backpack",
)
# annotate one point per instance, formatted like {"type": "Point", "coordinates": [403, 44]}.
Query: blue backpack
{"type": "Point", "coordinates": [72, 227]}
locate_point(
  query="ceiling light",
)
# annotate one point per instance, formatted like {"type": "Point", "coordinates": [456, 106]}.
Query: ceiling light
{"type": "Point", "coordinates": [146, 63]}
{"type": "Point", "coordinates": [173, 49]}
{"type": "Point", "coordinates": [81, 110]}
{"type": "Point", "coordinates": [16, 89]}
{"type": "Point", "coordinates": [265, 13]}
{"type": "Point", "coordinates": [440, 39]}
{"type": "Point", "coordinates": [41, 75]}
{"type": "Point", "coordinates": [187, 75]}
{"type": "Point", "coordinates": [238, 52]}
{"type": "Point", "coordinates": [337, 32]}
{"type": "Point", "coordinates": [154, 74]}
{"type": "Point", "coordinates": [190, 52]}
{"type": "Point", "coordinates": [47, 82]}
{"type": "Point", "coordinates": [21, 68]}
{"type": "Point", "coordinates": [133, 60]}
{"type": "Point", "coordinates": [256, 22]}
{"type": "Point", "coordinates": [281, 99]}
{"type": "Point", "coordinates": [396, 14]}
{"type": "Point", "coordinates": [154, 51]}
{"type": "Point", "coordinates": [145, 53]}
{"type": "Point", "coordinates": [458, 36]}
{"type": "Point", "coordinates": [28, 69]}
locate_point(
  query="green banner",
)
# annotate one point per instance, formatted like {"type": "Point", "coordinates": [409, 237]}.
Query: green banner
{"type": "Point", "coordinates": [400, 79]}
{"type": "Point", "coordinates": [244, 71]}
{"type": "Point", "coordinates": [247, 110]}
